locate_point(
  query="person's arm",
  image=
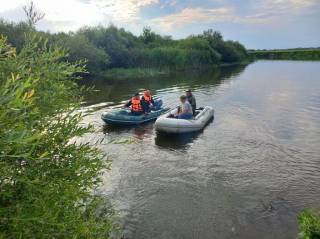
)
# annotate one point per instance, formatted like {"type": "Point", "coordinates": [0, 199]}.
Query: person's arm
{"type": "Point", "coordinates": [128, 104]}
{"type": "Point", "coordinates": [188, 109]}
{"type": "Point", "coordinates": [194, 103]}
{"type": "Point", "coordinates": [143, 106]}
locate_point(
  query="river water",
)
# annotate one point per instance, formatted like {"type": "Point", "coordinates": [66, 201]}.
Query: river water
{"type": "Point", "coordinates": [247, 175]}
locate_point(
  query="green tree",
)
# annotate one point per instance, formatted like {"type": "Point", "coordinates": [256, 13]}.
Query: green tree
{"type": "Point", "coordinates": [80, 48]}
{"type": "Point", "coordinates": [213, 37]}
{"type": "Point", "coordinates": [47, 180]}
{"type": "Point", "coordinates": [15, 32]}
{"type": "Point", "coordinates": [148, 35]}
{"type": "Point", "coordinates": [115, 42]}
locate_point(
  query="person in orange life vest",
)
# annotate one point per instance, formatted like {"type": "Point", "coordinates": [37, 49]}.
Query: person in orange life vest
{"type": "Point", "coordinates": [147, 100]}
{"type": "Point", "coordinates": [137, 107]}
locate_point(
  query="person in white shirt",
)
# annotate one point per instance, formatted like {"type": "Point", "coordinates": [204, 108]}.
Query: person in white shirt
{"type": "Point", "coordinates": [185, 111]}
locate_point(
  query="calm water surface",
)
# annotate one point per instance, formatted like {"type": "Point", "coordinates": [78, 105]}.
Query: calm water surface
{"type": "Point", "coordinates": [247, 175]}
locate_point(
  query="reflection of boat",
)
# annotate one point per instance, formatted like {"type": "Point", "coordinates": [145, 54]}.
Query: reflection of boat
{"type": "Point", "coordinates": [138, 131]}
{"type": "Point", "coordinates": [176, 141]}
{"type": "Point", "coordinates": [168, 124]}
{"type": "Point", "coordinates": [125, 117]}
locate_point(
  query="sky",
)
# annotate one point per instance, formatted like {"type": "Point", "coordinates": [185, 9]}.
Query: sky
{"type": "Point", "coordinates": [258, 24]}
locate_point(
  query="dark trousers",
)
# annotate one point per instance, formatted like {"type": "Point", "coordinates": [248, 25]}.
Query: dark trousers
{"type": "Point", "coordinates": [137, 112]}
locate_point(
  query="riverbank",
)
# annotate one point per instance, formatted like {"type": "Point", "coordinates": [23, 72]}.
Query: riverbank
{"type": "Point", "coordinates": [142, 73]}
{"type": "Point", "coordinates": [304, 54]}
{"type": "Point", "coordinates": [133, 73]}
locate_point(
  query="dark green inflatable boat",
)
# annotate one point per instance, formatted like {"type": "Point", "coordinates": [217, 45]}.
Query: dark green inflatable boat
{"type": "Point", "coordinates": [125, 117]}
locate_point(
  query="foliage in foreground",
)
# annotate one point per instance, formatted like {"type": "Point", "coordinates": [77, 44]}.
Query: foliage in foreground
{"type": "Point", "coordinates": [46, 180]}
{"type": "Point", "coordinates": [309, 224]}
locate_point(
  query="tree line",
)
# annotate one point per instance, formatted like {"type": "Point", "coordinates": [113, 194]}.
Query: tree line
{"type": "Point", "coordinates": [105, 48]}
{"type": "Point", "coordinates": [287, 54]}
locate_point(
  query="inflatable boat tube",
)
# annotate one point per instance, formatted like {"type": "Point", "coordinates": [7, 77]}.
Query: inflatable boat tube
{"type": "Point", "coordinates": [125, 117]}
{"type": "Point", "coordinates": [172, 125]}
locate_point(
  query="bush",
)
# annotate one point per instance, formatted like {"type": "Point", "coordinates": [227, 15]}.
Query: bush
{"type": "Point", "coordinates": [309, 224]}
{"type": "Point", "coordinates": [15, 32]}
{"type": "Point", "coordinates": [80, 48]}
{"type": "Point", "coordinates": [47, 180]}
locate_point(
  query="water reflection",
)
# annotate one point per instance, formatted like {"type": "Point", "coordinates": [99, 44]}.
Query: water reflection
{"type": "Point", "coordinates": [138, 131]}
{"type": "Point", "coordinates": [175, 141]}
{"type": "Point", "coordinates": [247, 175]}
{"type": "Point", "coordinates": [118, 91]}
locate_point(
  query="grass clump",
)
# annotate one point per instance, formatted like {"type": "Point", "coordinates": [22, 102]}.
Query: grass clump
{"type": "Point", "coordinates": [309, 224]}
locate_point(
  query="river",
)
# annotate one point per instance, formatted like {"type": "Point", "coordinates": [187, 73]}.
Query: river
{"type": "Point", "coordinates": [247, 175]}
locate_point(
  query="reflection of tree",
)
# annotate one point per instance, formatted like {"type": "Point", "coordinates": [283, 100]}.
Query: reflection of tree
{"type": "Point", "coordinates": [118, 91]}
{"type": "Point", "coordinates": [231, 71]}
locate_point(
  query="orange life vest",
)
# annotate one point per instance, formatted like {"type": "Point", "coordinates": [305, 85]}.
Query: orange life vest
{"type": "Point", "coordinates": [136, 105]}
{"type": "Point", "coordinates": [147, 98]}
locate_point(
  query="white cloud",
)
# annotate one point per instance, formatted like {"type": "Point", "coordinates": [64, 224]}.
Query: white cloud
{"type": "Point", "coordinates": [277, 12]}
{"type": "Point", "coordinates": [260, 12]}
{"type": "Point", "coordinates": [122, 10]}
{"type": "Point", "coordinates": [168, 3]}
{"type": "Point", "coordinates": [192, 15]}
{"type": "Point", "coordinates": [284, 5]}
{"type": "Point", "coordinates": [7, 5]}
{"type": "Point", "coordinates": [70, 14]}
{"type": "Point", "coordinates": [267, 9]}
{"type": "Point", "coordinates": [64, 15]}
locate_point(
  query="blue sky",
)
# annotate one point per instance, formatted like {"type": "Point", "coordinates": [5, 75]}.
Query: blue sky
{"type": "Point", "coordinates": [255, 23]}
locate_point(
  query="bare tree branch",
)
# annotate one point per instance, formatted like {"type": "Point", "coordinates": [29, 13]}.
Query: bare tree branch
{"type": "Point", "coordinates": [33, 15]}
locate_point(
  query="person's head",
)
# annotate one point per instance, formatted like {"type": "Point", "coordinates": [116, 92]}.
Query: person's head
{"type": "Point", "coordinates": [188, 92]}
{"type": "Point", "coordinates": [183, 98]}
{"type": "Point", "coordinates": [147, 92]}
{"type": "Point", "coordinates": [136, 96]}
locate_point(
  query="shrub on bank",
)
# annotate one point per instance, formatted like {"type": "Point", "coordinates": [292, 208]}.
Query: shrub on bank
{"type": "Point", "coordinates": [309, 224]}
{"type": "Point", "coordinates": [46, 179]}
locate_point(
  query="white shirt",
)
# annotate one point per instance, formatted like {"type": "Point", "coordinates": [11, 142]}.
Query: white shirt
{"type": "Point", "coordinates": [186, 108]}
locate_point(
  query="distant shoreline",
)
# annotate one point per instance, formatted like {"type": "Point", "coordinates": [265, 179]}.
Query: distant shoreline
{"type": "Point", "coordinates": [142, 73]}
{"type": "Point", "coordinates": [306, 54]}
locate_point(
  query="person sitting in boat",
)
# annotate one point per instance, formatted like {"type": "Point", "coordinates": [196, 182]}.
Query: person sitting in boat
{"type": "Point", "coordinates": [147, 100]}
{"type": "Point", "coordinates": [185, 110]}
{"type": "Point", "coordinates": [137, 108]}
{"type": "Point", "coordinates": [192, 101]}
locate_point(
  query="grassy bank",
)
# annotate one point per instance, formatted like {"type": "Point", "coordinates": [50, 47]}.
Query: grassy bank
{"type": "Point", "coordinates": [142, 73]}
{"type": "Point", "coordinates": [133, 73]}
{"type": "Point", "coordinates": [305, 54]}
